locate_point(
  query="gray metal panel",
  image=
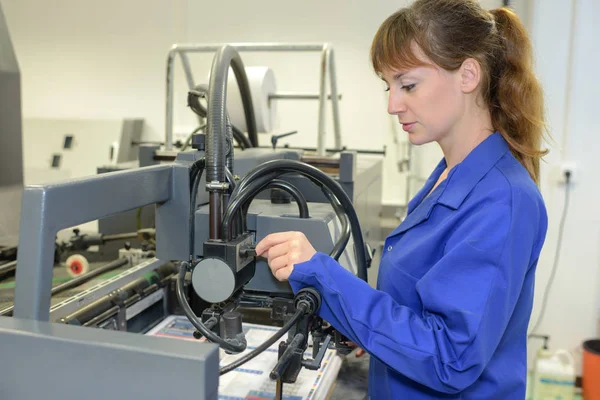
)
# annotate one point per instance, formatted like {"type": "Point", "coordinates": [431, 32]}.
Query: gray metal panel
{"type": "Point", "coordinates": [249, 159]}
{"type": "Point", "coordinates": [10, 210]}
{"type": "Point", "coordinates": [11, 148]}
{"type": "Point", "coordinates": [48, 209]}
{"type": "Point", "coordinates": [56, 362]}
{"type": "Point", "coordinates": [172, 217]}
{"type": "Point", "coordinates": [322, 228]}
{"type": "Point", "coordinates": [130, 132]}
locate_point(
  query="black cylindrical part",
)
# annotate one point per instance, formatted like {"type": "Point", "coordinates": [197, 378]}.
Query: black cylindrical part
{"type": "Point", "coordinates": [232, 324]}
{"type": "Point", "coordinates": [283, 362]}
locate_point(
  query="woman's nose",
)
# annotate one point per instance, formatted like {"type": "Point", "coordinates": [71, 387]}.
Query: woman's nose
{"type": "Point", "coordinates": [396, 103]}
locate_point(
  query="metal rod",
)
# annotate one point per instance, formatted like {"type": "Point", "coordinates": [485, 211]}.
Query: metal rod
{"type": "Point", "coordinates": [8, 267]}
{"type": "Point", "coordinates": [279, 390]}
{"type": "Point", "coordinates": [334, 95]}
{"type": "Point", "coordinates": [8, 311]}
{"type": "Point", "coordinates": [187, 69]}
{"type": "Point", "coordinates": [119, 236]}
{"type": "Point", "coordinates": [322, 95]}
{"type": "Point", "coordinates": [104, 287]}
{"type": "Point", "coordinates": [89, 276]}
{"type": "Point", "coordinates": [327, 59]}
{"type": "Point", "coordinates": [215, 209]}
{"type": "Point", "coordinates": [298, 96]}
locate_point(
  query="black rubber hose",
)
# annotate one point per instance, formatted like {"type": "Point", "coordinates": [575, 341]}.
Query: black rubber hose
{"type": "Point", "coordinates": [241, 139]}
{"type": "Point", "coordinates": [225, 57]}
{"type": "Point", "coordinates": [294, 192]}
{"type": "Point", "coordinates": [242, 360]}
{"type": "Point", "coordinates": [189, 313]}
{"type": "Point", "coordinates": [195, 176]}
{"type": "Point", "coordinates": [243, 199]}
{"type": "Point", "coordinates": [340, 245]}
{"type": "Point", "coordinates": [279, 167]}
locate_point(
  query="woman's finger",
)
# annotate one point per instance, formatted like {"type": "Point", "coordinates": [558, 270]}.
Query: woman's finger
{"type": "Point", "coordinates": [277, 250]}
{"type": "Point", "coordinates": [278, 263]}
{"type": "Point", "coordinates": [272, 240]}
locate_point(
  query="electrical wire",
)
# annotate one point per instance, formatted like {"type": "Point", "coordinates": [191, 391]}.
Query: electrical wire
{"type": "Point", "coordinates": [195, 176]}
{"type": "Point", "coordinates": [340, 245]}
{"type": "Point", "coordinates": [272, 169]}
{"type": "Point", "coordinates": [556, 258]}
{"type": "Point", "coordinates": [292, 191]}
{"type": "Point", "coordinates": [243, 199]}
{"type": "Point", "coordinates": [198, 324]}
{"type": "Point", "coordinates": [268, 343]}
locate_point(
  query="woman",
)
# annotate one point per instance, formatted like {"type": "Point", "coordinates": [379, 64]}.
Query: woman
{"type": "Point", "coordinates": [455, 289]}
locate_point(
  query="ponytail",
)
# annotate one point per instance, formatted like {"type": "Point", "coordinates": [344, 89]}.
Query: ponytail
{"type": "Point", "coordinates": [516, 99]}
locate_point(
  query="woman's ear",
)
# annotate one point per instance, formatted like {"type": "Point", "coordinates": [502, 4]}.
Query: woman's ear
{"type": "Point", "coordinates": [470, 75]}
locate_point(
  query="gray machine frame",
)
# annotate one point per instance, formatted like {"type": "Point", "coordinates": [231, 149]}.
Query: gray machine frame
{"type": "Point", "coordinates": [86, 355]}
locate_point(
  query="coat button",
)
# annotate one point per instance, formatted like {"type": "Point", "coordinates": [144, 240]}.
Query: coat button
{"type": "Point", "coordinates": [389, 248]}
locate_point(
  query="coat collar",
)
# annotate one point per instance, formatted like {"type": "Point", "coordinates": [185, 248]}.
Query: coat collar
{"type": "Point", "coordinates": [460, 181]}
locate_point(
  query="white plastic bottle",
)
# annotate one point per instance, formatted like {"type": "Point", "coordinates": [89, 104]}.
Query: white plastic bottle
{"type": "Point", "coordinates": [554, 375]}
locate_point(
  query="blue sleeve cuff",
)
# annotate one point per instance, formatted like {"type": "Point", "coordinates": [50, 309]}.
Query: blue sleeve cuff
{"type": "Point", "coordinates": [303, 274]}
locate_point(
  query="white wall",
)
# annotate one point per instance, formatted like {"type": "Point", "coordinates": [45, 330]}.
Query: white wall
{"type": "Point", "coordinates": [89, 59]}
{"type": "Point", "coordinates": [568, 72]}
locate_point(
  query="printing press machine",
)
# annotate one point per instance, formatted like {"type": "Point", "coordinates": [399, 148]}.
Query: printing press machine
{"type": "Point", "coordinates": [209, 208]}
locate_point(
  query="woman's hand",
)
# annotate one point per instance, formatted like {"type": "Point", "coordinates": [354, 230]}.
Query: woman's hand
{"type": "Point", "coordinates": [283, 250]}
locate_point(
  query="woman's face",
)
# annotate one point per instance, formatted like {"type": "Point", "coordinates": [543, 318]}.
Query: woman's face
{"type": "Point", "coordinates": [428, 100]}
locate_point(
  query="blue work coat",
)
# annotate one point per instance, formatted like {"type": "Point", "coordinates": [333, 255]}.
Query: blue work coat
{"type": "Point", "coordinates": [455, 286]}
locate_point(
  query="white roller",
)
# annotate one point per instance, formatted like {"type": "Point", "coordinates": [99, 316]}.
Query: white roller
{"type": "Point", "coordinates": [262, 85]}
{"type": "Point", "coordinates": [77, 265]}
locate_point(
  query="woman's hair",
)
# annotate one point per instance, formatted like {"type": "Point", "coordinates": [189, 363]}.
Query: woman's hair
{"type": "Point", "coordinates": [449, 32]}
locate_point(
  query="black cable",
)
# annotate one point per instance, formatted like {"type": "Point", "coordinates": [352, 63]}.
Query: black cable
{"type": "Point", "coordinates": [242, 360]}
{"type": "Point", "coordinates": [230, 179]}
{"type": "Point", "coordinates": [340, 245]}
{"type": "Point", "coordinates": [244, 197]}
{"type": "Point", "coordinates": [241, 139]}
{"type": "Point", "coordinates": [279, 167]}
{"type": "Point", "coordinates": [189, 313]}
{"type": "Point", "coordinates": [292, 191]}
{"type": "Point", "coordinates": [196, 177]}
{"type": "Point", "coordinates": [556, 257]}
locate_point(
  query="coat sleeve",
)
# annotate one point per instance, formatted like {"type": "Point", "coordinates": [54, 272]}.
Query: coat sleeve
{"type": "Point", "coordinates": [468, 297]}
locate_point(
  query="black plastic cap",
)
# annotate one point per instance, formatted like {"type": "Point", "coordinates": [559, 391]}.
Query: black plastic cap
{"type": "Point", "coordinates": [199, 141]}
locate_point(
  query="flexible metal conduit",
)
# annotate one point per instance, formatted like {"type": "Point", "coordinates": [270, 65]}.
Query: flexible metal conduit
{"type": "Point", "coordinates": [217, 126]}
